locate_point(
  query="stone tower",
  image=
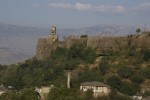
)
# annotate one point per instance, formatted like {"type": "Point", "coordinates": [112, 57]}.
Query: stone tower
{"type": "Point", "coordinates": [53, 36]}
{"type": "Point", "coordinates": [46, 45]}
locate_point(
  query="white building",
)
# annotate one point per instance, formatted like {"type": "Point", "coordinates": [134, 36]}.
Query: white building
{"type": "Point", "coordinates": [43, 91]}
{"type": "Point", "coordinates": [98, 88]}
{"type": "Point", "coordinates": [146, 98]}
{"type": "Point", "coordinates": [2, 89]}
{"type": "Point", "coordinates": [137, 97]}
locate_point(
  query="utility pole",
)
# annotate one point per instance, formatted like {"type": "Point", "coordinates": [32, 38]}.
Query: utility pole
{"type": "Point", "coordinates": [68, 78]}
{"type": "Point", "coordinates": [68, 72]}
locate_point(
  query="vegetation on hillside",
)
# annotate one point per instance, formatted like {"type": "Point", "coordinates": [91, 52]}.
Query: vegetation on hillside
{"type": "Point", "coordinates": [123, 70]}
{"type": "Point", "coordinates": [34, 73]}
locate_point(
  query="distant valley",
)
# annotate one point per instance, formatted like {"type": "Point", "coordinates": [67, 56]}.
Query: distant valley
{"type": "Point", "coordinates": [18, 43]}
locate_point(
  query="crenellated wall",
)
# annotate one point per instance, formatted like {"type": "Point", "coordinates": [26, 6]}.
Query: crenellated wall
{"type": "Point", "coordinates": [46, 45]}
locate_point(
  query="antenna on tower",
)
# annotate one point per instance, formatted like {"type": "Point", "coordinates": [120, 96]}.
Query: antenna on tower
{"type": "Point", "coordinates": [145, 27]}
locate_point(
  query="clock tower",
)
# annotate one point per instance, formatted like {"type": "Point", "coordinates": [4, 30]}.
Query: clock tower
{"type": "Point", "coordinates": [53, 36]}
{"type": "Point", "coordinates": [53, 30]}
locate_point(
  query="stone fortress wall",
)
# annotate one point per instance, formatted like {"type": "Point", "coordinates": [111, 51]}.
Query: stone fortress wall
{"type": "Point", "coordinates": [99, 43]}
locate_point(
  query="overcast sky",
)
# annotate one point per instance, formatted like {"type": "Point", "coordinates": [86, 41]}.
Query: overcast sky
{"type": "Point", "coordinates": [74, 13]}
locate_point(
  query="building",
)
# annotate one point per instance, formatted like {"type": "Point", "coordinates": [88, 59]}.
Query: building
{"type": "Point", "coordinates": [2, 89]}
{"type": "Point", "coordinates": [146, 98]}
{"type": "Point", "coordinates": [145, 86]}
{"type": "Point", "coordinates": [98, 88]}
{"type": "Point", "coordinates": [46, 45]}
{"type": "Point", "coordinates": [43, 91]}
{"type": "Point", "coordinates": [137, 97]}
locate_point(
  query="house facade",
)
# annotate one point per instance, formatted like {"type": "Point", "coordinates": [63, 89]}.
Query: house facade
{"type": "Point", "coordinates": [98, 88]}
{"type": "Point", "coordinates": [145, 86]}
{"type": "Point", "coordinates": [2, 89]}
{"type": "Point", "coordinates": [137, 97]}
{"type": "Point", "coordinates": [146, 98]}
{"type": "Point", "coordinates": [43, 91]}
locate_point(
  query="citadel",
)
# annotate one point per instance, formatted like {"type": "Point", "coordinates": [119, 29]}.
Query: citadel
{"type": "Point", "coordinates": [45, 46]}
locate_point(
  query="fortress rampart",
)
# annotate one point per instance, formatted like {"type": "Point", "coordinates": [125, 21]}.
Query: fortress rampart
{"type": "Point", "coordinates": [46, 45]}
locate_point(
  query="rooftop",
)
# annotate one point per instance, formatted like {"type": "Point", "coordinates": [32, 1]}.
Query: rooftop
{"type": "Point", "coordinates": [146, 98]}
{"type": "Point", "coordinates": [2, 88]}
{"type": "Point", "coordinates": [100, 84]}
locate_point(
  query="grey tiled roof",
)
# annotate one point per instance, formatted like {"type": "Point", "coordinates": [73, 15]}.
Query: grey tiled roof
{"type": "Point", "coordinates": [2, 88]}
{"type": "Point", "coordinates": [100, 84]}
{"type": "Point", "coordinates": [146, 98]}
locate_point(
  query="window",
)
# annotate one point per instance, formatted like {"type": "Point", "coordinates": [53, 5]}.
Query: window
{"type": "Point", "coordinates": [96, 88]}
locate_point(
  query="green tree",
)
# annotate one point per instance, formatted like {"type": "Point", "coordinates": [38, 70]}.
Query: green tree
{"type": "Point", "coordinates": [137, 78]}
{"type": "Point", "coordinates": [59, 53]}
{"type": "Point", "coordinates": [87, 76]}
{"type": "Point", "coordinates": [28, 94]}
{"type": "Point", "coordinates": [125, 72]}
{"type": "Point", "coordinates": [146, 72]}
{"type": "Point", "coordinates": [145, 54]}
{"type": "Point", "coordinates": [147, 93]}
{"type": "Point", "coordinates": [114, 82]}
{"type": "Point", "coordinates": [138, 30]}
{"type": "Point", "coordinates": [81, 52]}
{"type": "Point", "coordinates": [9, 96]}
{"type": "Point", "coordinates": [64, 94]}
{"type": "Point", "coordinates": [88, 95]}
{"type": "Point", "coordinates": [89, 55]}
{"type": "Point", "coordinates": [115, 96]}
{"type": "Point", "coordinates": [103, 67]}
{"type": "Point", "coordinates": [128, 88]}
{"type": "Point", "coordinates": [76, 51]}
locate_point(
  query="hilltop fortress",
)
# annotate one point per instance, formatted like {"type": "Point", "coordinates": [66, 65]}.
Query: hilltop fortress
{"type": "Point", "coordinates": [45, 46]}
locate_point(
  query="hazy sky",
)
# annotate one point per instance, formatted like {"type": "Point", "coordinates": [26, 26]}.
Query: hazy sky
{"type": "Point", "coordinates": [74, 13]}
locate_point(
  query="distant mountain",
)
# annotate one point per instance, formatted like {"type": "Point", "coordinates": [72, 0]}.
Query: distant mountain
{"type": "Point", "coordinates": [18, 43]}
{"type": "Point", "coordinates": [102, 29]}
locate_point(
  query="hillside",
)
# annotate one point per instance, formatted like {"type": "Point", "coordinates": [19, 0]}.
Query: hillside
{"type": "Point", "coordinates": [18, 43]}
{"type": "Point", "coordinates": [126, 71]}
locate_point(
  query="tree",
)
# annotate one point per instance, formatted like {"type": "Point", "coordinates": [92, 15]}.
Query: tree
{"type": "Point", "coordinates": [114, 82]}
{"type": "Point", "coordinates": [103, 66]}
{"type": "Point", "coordinates": [128, 88]}
{"type": "Point", "coordinates": [123, 87]}
{"type": "Point", "coordinates": [146, 54]}
{"type": "Point", "coordinates": [75, 51]}
{"type": "Point", "coordinates": [81, 52]}
{"type": "Point", "coordinates": [64, 94]}
{"type": "Point", "coordinates": [115, 96]}
{"type": "Point", "coordinates": [146, 72]}
{"type": "Point", "coordinates": [147, 93]}
{"type": "Point", "coordinates": [137, 78]}
{"type": "Point", "coordinates": [29, 94]}
{"type": "Point", "coordinates": [138, 30]}
{"type": "Point", "coordinates": [59, 53]}
{"type": "Point", "coordinates": [9, 96]}
{"type": "Point", "coordinates": [89, 55]}
{"type": "Point", "coordinates": [84, 36]}
{"type": "Point", "coordinates": [88, 95]}
{"type": "Point", "coordinates": [125, 72]}
{"type": "Point", "coordinates": [86, 76]}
